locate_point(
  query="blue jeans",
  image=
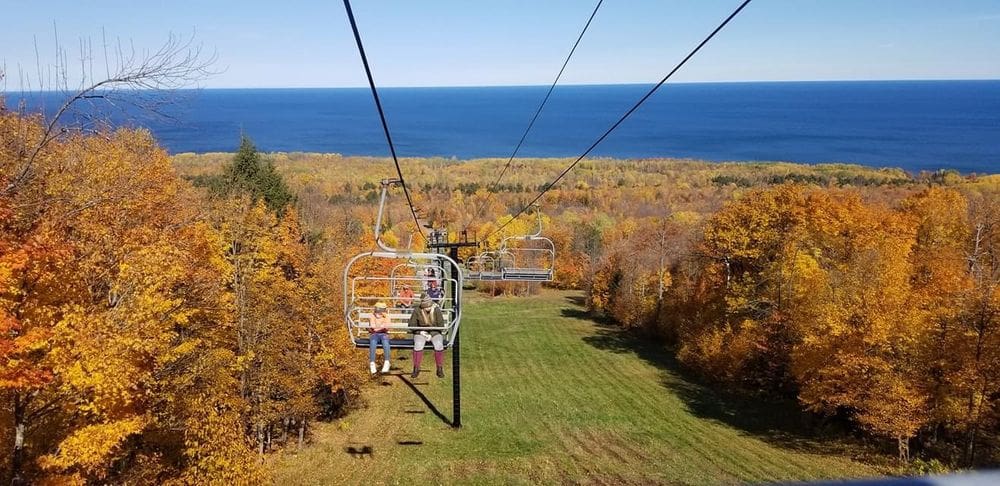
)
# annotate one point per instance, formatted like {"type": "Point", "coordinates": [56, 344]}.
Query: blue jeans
{"type": "Point", "coordinates": [373, 343]}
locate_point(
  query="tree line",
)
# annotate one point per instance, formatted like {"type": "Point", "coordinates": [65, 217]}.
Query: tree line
{"type": "Point", "coordinates": [884, 315]}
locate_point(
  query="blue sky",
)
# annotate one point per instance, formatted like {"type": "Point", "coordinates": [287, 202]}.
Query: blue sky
{"type": "Point", "coordinates": [514, 42]}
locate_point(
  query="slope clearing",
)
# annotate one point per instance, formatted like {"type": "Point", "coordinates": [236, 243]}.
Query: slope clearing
{"type": "Point", "coordinates": [551, 396]}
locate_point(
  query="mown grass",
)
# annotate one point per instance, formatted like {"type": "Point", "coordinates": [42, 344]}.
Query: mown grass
{"type": "Point", "coordinates": [550, 396]}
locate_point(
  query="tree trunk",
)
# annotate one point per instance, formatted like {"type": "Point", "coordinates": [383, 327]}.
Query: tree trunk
{"type": "Point", "coordinates": [904, 449]}
{"type": "Point", "coordinates": [17, 455]}
{"type": "Point", "coordinates": [974, 408]}
{"type": "Point", "coordinates": [970, 445]}
{"type": "Point", "coordinates": [302, 433]}
{"type": "Point", "coordinates": [260, 439]}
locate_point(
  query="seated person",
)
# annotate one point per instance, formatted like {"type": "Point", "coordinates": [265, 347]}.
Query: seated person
{"type": "Point", "coordinates": [435, 292]}
{"type": "Point", "coordinates": [404, 298]}
{"type": "Point", "coordinates": [427, 314]}
{"type": "Point", "coordinates": [429, 276]}
{"type": "Point", "coordinates": [379, 333]}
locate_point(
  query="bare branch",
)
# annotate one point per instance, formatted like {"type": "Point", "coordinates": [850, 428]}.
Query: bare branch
{"type": "Point", "coordinates": [147, 82]}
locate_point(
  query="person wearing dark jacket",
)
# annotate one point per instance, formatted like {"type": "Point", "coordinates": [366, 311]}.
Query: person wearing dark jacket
{"type": "Point", "coordinates": [427, 315]}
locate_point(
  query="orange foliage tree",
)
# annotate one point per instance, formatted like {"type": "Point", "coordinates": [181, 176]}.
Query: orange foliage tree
{"type": "Point", "coordinates": [147, 334]}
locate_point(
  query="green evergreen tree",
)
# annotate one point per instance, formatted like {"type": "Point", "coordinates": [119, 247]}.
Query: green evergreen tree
{"type": "Point", "coordinates": [253, 174]}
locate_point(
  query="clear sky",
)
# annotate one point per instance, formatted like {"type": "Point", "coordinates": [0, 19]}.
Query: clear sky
{"type": "Point", "coordinates": [307, 43]}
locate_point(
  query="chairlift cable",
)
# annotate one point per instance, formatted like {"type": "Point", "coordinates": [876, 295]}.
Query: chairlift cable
{"type": "Point", "coordinates": [625, 116]}
{"type": "Point", "coordinates": [506, 167]}
{"type": "Point", "coordinates": [381, 114]}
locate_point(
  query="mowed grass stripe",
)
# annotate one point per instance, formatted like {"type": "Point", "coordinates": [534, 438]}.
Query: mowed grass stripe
{"type": "Point", "coordinates": [549, 396]}
{"type": "Point", "coordinates": [622, 366]}
{"type": "Point", "coordinates": [608, 387]}
{"type": "Point", "coordinates": [618, 380]}
{"type": "Point", "coordinates": [608, 381]}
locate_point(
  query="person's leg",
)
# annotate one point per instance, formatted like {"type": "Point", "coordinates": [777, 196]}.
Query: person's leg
{"type": "Point", "coordinates": [418, 353]}
{"type": "Point", "coordinates": [385, 347]}
{"type": "Point", "coordinates": [438, 341]}
{"type": "Point", "coordinates": [372, 340]}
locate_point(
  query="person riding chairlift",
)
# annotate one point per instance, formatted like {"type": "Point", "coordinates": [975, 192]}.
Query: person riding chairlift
{"type": "Point", "coordinates": [429, 276]}
{"type": "Point", "coordinates": [405, 298]}
{"type": "Point", "coordinates": [379, 322]}
{"type": "Point", "coordinates": [434, 291]}
{"type": "Point", "coordinates": [428, 314]}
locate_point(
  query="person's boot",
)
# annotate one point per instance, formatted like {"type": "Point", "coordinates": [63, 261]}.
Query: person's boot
{"type": "Point", "coordinates": [371, 366]}
{"type": "Point", "coordinates": [385, 366]}
{"type": "Point", "coordinates": [439, 361]}
{"type": "Point", "coordinates": [418, 357]}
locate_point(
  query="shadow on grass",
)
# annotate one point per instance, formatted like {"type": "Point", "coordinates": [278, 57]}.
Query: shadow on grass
{"type": "Point", "coordinates": [430, 405]}
{"type": "Point", "coordinates": [359, 451]}
{"type": "Point", "coordinates": [778, 422]}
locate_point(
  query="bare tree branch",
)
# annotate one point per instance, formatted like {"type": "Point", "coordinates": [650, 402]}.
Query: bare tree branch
{"type": "Point", "coordinates": [147, 82]}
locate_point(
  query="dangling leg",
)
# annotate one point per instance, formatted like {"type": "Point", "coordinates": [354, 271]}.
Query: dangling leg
{"type": "Point", "coordinates": [385, 356]}
{"type": "Point", "coordinates": [438, 341]}
{"type": "Point", "coordinates": [418, 353]}
{"type": "Point", "coordinates": [372, 340]}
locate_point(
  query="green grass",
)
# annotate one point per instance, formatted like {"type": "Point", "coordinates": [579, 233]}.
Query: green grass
{"type": "Point", "coordinates": [550, 396]}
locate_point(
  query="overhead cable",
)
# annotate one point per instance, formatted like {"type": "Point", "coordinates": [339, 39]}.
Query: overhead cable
{"type": "Point", "coordinates": [490, 189]}
{"type": "Point", "coordinates": [381, 114]}
{"type": "Point", "coordinates": [631, 110]}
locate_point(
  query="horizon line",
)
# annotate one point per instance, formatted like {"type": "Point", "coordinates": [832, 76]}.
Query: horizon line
{"type": "Point", "coordinates": [519, 85]}
{"type": "Point", "coordinates": [474, 86]}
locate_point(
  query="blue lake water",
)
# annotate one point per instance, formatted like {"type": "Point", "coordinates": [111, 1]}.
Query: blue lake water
{"type": "Point", "coordinates": [916, 125]}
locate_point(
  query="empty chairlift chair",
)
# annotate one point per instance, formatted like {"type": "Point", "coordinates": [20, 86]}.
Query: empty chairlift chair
{"type": "Point", "coordinates": [528, 258]}
{"type": "Point", "coordinates": [489, 265]}
{"type": "Point", "coordinates": [475, 265]}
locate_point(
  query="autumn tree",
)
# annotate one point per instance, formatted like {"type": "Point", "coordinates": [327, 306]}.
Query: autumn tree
{"type": "Point", "coordinates": [144, 340]}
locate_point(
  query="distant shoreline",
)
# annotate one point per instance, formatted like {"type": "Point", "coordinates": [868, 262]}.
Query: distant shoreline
{"type": "Point", "coordinates": [294, 156]}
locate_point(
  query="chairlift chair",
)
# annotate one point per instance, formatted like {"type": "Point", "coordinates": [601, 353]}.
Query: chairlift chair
{"type": "Point", "coordinates": [532, 257]}
{"type": "Point", "coordinates": [375, 276]}
{"type": "Point", "coordinates": [489, 265]}
{"type": "Point", "coordinates": [474, 265]}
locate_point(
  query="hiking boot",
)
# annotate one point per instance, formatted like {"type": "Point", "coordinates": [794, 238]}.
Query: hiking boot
{"type": "Point", "coordinates": [371, 366]}
{"type": "Point", "coordinates": [416, 373]}
{"type": "Point", "coordinates": [440, 372]}
{"type": "Point", "coordinates": [385, 366]}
